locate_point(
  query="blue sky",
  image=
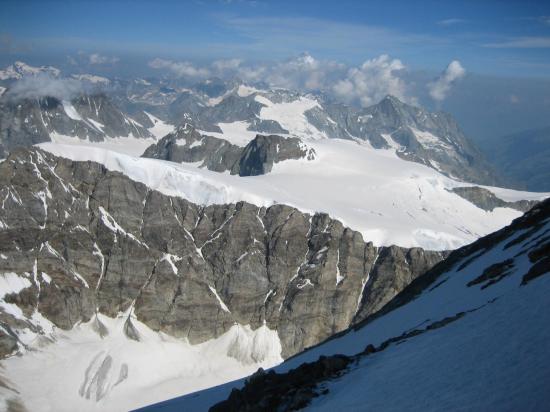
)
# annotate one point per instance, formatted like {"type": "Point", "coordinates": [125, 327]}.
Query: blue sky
{"type": "Point", "coordinates": [505, 38]}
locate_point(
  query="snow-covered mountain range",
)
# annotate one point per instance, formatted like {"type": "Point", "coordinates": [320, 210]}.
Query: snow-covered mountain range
{"type": "Point", "coordinates": [159, 238]}
{"type": "Point", "coordinates": [18, 70]}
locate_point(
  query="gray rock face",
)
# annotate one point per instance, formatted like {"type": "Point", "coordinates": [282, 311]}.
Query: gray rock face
{"type": "Point", "coordinates": [383, 284]}
{"type": "Point", "coordinates": [322, 372]}
{"type": "Point", "coordinates": [433, 139]}
{"type": "Point", "coordinates": [259, 156]}
{"type": "Point", "coordinates": [30, 121]}
{"type": "Point", "coordinates": [486, 200]}
{"type": "Point", "coordinates": [84, 240]}
{"type": "Point", "coordinates": [256, 158]}
{"type": "Point", "coordinates": [188, 145]}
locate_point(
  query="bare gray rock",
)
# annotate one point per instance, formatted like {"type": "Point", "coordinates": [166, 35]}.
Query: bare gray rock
{"type": "Point", "coordinates": [25, 122]}
{"type": "Point", "coordinates": [89, 240]}
{"type": "Point", "coordinates": [487, 200]}
{"type": "Point", "coordinates": [186, 144]}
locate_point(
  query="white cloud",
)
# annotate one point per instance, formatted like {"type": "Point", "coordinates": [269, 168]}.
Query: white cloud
{"type": "Point", "coordinates": [528, 42]}
{"type": "Point", "coordinates": [180, 69]}
{"type": "Point", "coordinates": [372, 81]}
{"type": "Point", "coordinates": [450, 22]}
{"type": "Point", "coordinates": [303, 72]}
{"type": "Point", "coordinates": [43, 85]}
{"type": "Point", "coordinates": [440, 87]}
{"type": "Point", "coordinates": [363, 85]}
{"type": "Point", "coordinates": [225, 65]}
{"type": "Point", "coordinates": [252, 74]}
{"type": "Point", "coordinates": [96, 58]}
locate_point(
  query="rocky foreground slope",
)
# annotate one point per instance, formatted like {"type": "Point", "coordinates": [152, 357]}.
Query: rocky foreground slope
{"type": "Point", "coordinates": [79, 243]}
{"type": "Point", "coordinates": [470, 334]}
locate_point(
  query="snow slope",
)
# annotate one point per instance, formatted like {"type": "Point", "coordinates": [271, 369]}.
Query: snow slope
{"type": "Point", "coordinates": [160, 128]}
{"type": "Point", "coordinates": [494, 356]}
{"type": "Point", "coordinates": [128, 145]}
{"type": "Point", "coordinates": [78, 370]}
{"type": "Point", "coordinates": [291, 115]}
{"type": "Point", "coordinates": [131, 146]}
{"type": "Point", "coordinates": [387, 199]}
{"type": "Point", "coordinates": [235, 132]}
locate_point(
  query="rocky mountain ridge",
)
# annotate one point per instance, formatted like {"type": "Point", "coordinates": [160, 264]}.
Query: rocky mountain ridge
{"type": "Point", "coordinates": [82, 239]}
{"type": "Point", "coordinates": [187, 145]}
{"type": "Point", "coordinates": [92, 118]}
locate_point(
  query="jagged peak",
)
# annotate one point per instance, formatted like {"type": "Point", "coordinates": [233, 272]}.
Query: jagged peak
{"type": "Point", "coordinates": [391, 98]}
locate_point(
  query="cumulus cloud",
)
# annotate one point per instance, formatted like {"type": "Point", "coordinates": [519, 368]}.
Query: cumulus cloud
{"type": "Point", "coordinates": [96, 58]}
{"type": "Point", "coordinates": [440, 87]}
{"type": "Point", "coordinates": [180, 69]}
{"type": "Point", "coordinates": [372, 81]}
{"type": "Point", "coordinates": [304, 72]}
{"type": "Point", "coordinates": [363, 85]}
{"type": "Point", "coordinates": [43, 85]}
{"type": "Point", "coordinates": [223, 66]}
{"type": "Point", "coordinates": [252, 74]}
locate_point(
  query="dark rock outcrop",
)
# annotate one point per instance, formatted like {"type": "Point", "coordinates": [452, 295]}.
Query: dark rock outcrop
{"type": "Point", "coordinates": [291, 391]}
{"type": "Point", "coordinates": [486, 200]}
{"type": "Point", "coordinates": [262, 152]}
{"type": "Point", "coordinates": [186, 144]}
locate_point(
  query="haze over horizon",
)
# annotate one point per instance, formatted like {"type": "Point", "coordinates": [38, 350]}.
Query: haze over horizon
{"type": "Point", "coordinates": [442, 55]}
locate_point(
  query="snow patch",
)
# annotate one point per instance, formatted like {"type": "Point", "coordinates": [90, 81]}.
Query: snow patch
{"type": "Point", "coordinates": [12, 283]}
{"type": "Point", "coordinates": [236, 133]}
{"type": "Point", "coordinates": [84, 372]}
{"type": "Point", "coordinates": [131, 146]}
{"type": "Point", "coordinates": [291, 116]}
{"type": "Point", "coordinates": [70, 110]}
{"type": "Point", "coordinates": [160, 128]}
{"type": "Point", "coordinates": [219, 299]}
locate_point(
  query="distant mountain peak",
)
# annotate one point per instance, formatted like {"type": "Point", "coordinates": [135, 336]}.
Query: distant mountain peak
{"type": "Point", "coordinates": [20, 69]}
